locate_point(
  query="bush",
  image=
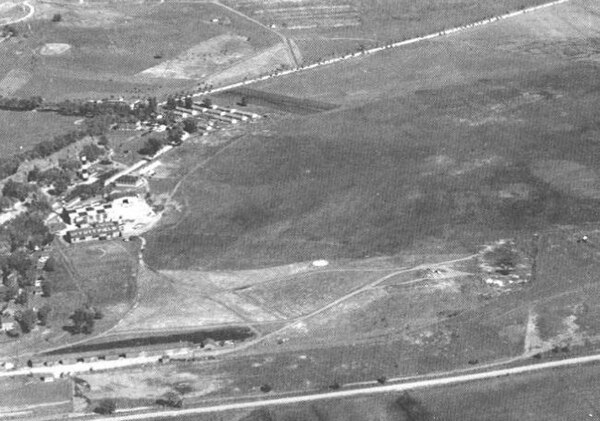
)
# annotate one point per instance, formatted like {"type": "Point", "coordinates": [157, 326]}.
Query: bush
{"type": "Point", "coordinates": [57, 17]}
{"type": "Point", "coordinates": [170, 399]}
{"type": "Point", "coordinates": [106, 407]}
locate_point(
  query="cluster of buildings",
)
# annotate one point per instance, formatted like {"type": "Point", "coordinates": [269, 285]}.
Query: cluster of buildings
{"type": "Point", "coordinates": [106, 220]}
{"type": "Point", "coordinates": [212, 117]}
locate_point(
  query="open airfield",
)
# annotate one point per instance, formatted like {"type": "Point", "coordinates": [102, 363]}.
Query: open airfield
{"type": "Point", "coordinates": [436, 146]}
{"type": "Point", "coordinates": [405, 213]}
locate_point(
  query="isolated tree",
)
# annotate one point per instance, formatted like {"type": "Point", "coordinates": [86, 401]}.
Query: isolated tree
{"type": "Point", "coordinates": [189, 102]}
{"type": "Point", "coordinates": [83, 320]}
{"type": "Point", "coordinates": [243, 102]}
{"type": "Point", "coordinates": [207, 102]}
{"type": "Point", "coordinates": [57, 17]}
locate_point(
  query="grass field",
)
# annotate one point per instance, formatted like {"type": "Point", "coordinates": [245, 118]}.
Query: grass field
{"type": "Point", "coordinates": [323, 29]}
{"type": "Point", "coordinates": [109, 46]}
{"type": "Point", "coordinates": [553, 395]}
{"type": "Point", "coordinates": [400, 165]}
{"type": "Point", "coordinates": [26, 129]}
{"type": "Point", "coordinates": [44, 398]}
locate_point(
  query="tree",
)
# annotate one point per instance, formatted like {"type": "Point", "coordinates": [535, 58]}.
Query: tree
{"type": "Point", "coordinates": [106, 406]}
{"type": "Point", "coordinates": [151, 146]}
{"type": "Point", "coordinates": [46, 288]}
{"type": "Point", "coordinates": [57, 17]}
{"type": "Point", "coordinates": [207, 102]}
{"type": "Point", "coordinates": [33, 175]}
{"type": "Point", "coordinates": [83, 320]}
{"type": "Point", "coordinates": [103, 141]}
{"type": "Point", "coordinates": [171, 103]}
{"type": "Point", "coordinates": [152, 104]}
{"type": "Point", "coordinates": [189, 102]}
{"type": "Point", "coordinates": [243, 102]}
{"type": "Point", "coordinates": [50, 265]}
{"type": "Point", "coordinates": [92, 152]}
{"type": "Point", "coordinates": [174, 135]}
{"type": "Point", "coordinates": [22, 299]}
{"type": "Point", "coordinates": [20, 261]}
{"type": "Point", "coordinates": [26, 319]}
{"type": "Point", "coordinates": [43, 314]}
{"type": "Point", "coordinates": [5, 203]}
{"type": "Point", "coordinates": [15, 190]}
{"type": "Point", "coordinates": [190, 125]}
{"type": "Point", "coordinates": [171, 399]}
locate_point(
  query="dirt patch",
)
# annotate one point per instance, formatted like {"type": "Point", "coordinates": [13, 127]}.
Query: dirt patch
{"type": "Point", "coordinates": [147, 384]}
{"type": "Point", "coordinates": [569, 177]}
{"type": "Point", "coordinates": [54, 49]}
{"type": "Point", "coordinates": [13, 81]}
{"type": "Point", "coordinates": [266, 61]}
{"type": "Point", "coordinates": [204, 58]}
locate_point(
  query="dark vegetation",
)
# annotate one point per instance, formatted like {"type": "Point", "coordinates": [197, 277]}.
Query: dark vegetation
{"type": "Point", "coordinates": [196, 337]}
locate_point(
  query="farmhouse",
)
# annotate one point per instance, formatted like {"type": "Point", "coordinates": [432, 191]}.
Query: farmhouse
{"type": "Point", "coordinates": [101, 231]}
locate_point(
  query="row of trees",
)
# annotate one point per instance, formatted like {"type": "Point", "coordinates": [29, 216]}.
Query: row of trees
{"type": "Point", "coordinates": [20, 104]}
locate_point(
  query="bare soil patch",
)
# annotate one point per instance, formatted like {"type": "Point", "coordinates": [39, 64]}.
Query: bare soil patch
{"type": "Point", "coordinates": [204, 59]}
{"type": "Point", "coordinates": [54, 49]}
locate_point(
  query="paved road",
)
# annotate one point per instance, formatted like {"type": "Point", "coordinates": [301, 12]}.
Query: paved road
{"type": "Point", "coordinates": [419, 384]}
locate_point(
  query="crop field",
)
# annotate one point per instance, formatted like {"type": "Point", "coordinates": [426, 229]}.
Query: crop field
{"type": "Point", "coordinates": [99, 51]}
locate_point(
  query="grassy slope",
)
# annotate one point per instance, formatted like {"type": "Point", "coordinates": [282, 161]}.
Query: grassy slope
{"type": "Point", "coordinates": [27, 129]}
{"type": "Point", "coordinates": [368, 180]}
